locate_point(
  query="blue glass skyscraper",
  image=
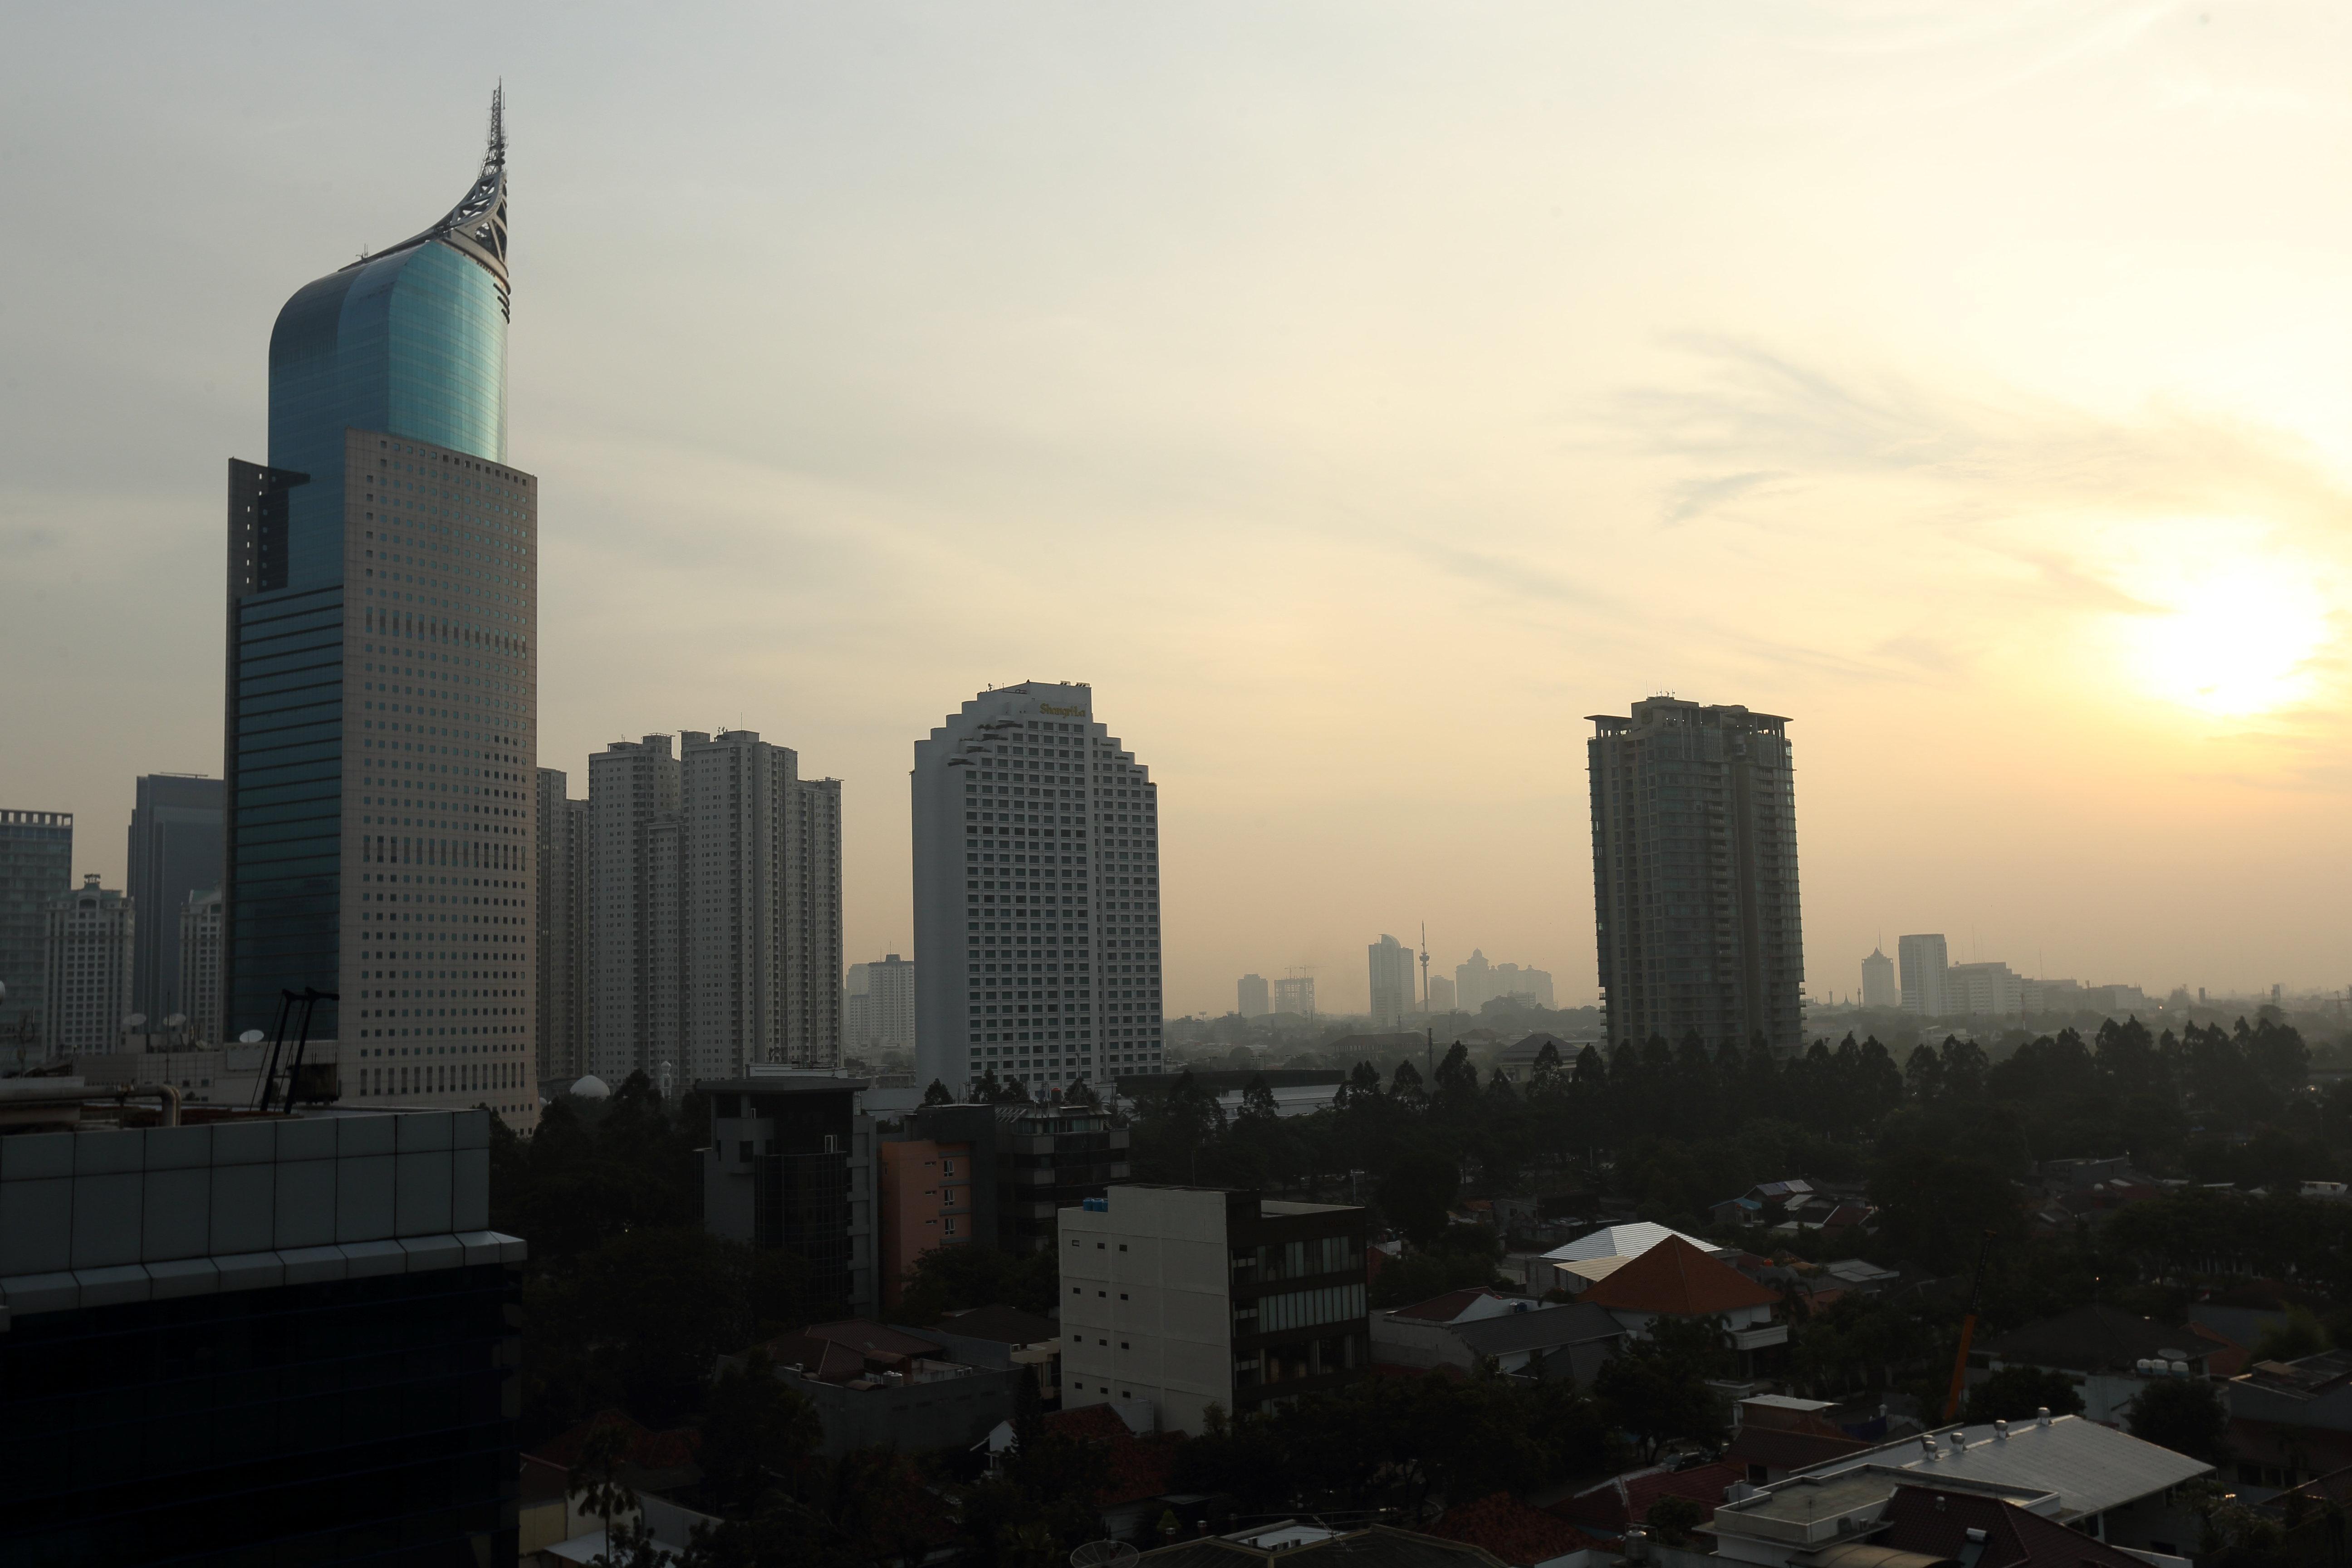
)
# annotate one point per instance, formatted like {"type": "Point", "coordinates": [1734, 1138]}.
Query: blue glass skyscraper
{"type": "Point", "coordinates": [381, 694]}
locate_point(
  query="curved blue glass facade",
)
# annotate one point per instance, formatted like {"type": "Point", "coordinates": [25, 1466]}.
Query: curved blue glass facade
{"type": "Point", "coordinates": [412, 343]}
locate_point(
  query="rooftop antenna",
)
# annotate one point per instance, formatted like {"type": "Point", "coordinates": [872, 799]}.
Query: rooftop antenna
{"type": "Point", "coordinates": [1425, 968]}
{"type": "Point", "coordinates": [496, 157]}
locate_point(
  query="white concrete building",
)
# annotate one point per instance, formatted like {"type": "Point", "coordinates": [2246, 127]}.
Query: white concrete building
{"type": "Point", "coordinates": [1182, 1297]}
{"type": "Point", "coordinates": [1395, 997]}
{"type": "Point", "coordinates": [1983, 989]}
{"type": "Point", "coordinates": [1036, 872]}
{"type": "Point", "coordinates": [200, 967]}
{"type": "Point", "coordinates": [87, 978]}
{"type": "Point", "coordinates": [1925, 961]}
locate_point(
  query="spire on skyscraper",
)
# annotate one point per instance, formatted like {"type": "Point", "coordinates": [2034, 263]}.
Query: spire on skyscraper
{"type": "Point", "coordinates": [477, 227]}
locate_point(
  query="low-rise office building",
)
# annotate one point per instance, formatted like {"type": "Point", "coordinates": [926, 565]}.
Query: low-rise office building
{"type": "Point", "coordinates": [1189, 1297]}
{"type": "Point", "coordinates": [875, 1386]}
{"type": "Point", "coordinates": [274, 1338]}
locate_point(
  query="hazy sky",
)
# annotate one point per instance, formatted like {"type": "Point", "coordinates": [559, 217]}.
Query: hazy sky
{"type": "Point", "coordinates": [1357, 394]}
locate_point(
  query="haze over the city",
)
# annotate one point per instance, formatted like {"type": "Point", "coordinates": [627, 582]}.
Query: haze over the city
{"type": "Point", "coordinates": [1356, 395]}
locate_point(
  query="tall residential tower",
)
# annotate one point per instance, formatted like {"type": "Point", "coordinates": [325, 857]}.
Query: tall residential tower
{"type": "Point", "coordinates": [1694, 875]}
{"type": "Point", "coordinates": [1036, 895]}
{"type": "Point", "coordinates": [382, 679]}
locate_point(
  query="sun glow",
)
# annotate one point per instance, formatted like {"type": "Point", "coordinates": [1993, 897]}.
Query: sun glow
{"type": "Point", "coordinates": [2235, 642]}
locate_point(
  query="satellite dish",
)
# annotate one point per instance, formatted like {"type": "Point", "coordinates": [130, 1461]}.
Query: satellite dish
{"type": "Point", "coordinates": [1104, 1554]}
{"type": "Point", "coordinates": [250, 1038]}
{"type": "Point", "coordinates": [134, 1020]}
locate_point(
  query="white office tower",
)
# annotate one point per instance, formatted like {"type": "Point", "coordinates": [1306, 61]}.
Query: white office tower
{"type": "Point", "coordinates": [1924, 961]}
{"type": "Point", "coordinates": [878, 1014]}
{"type": "Point", "coordinates": [1878, 986]}
{"type": "Point", "coordinates": [1393, 993]}
{"type": "Point", "coordinates": [1036, 895]}
{"type": "Point", "coordinates": [200, 967]}
{"type": "Point", "coordinates": [87, 984]}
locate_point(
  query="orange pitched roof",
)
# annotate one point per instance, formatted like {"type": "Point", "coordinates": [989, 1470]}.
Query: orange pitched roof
{"type": "Point", "coordinates": [1676, 1279]}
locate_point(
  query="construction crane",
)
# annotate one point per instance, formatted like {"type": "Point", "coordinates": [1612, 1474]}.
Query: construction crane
{"type": "Point", "coordinates": [1967, 1331]}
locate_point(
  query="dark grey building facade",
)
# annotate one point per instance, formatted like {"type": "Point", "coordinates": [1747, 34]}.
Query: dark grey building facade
{"type": "Point", "coordinates": [1028, 1162]}
{"type": "Point", "coordinates": [175, 850]}
{"type": "Point", "coordinates": [35, 866]}
{"type": "Point", "coordinates": [791, 1167]}
{"type": "Point", "coordinates": [1694, 875]}
{"type": "Point", "coordinates": [257, 1339]}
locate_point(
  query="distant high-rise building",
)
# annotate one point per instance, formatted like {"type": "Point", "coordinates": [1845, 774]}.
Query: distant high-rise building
{"type": "Point", "coordinates": [880, 1012]}
{"type": "Point", "coordinates": [175, 850]}
{"type": "Point", "coordinates": [633, 804]}
{"type": "Point", "coordinates": [1983, 989]}
{"type": "Point", "coordinates": [814, 1032]}
{"type": "Point", "coordinates": [1442, 996]}
{"type": "Point", "coordinates": [1878, 986]}
{"type": "Point", "coordinates": [381, 684]}
{"type": "Point", "coordinates": [1394, 997]}
{"type": "Point", "coordinates": [87, 991]}
{"type": "Point", "coordinates": [1694, 875]}
{"type": "Point", "coordinates": [1036, 860]}
{"type": "Point", "coordinates": [1254, 1001]}
{"type": "Point", "coordinates": [200, 967]}
{"type": "Point", "coordinates": [1473, 982]}
{"type": "Point", "coordinates": [36, 864]}
{"type": "Point", "coordinates": [1924, 964]}
{"type": "Point", "coordinates": [562, 929]}
{"type": "Point", "coordinates": [1295, 994]}
{"type": "Point", "coordinates": [714, 910]}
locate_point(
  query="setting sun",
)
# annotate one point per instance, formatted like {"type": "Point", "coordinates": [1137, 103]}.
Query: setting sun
{"type": "Point", "coordinates": [2238, 643]}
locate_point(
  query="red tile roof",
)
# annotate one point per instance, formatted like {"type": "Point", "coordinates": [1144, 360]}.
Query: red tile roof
{"type": "Point", "coordinates": [1937, 1524]}
{"type": "Point", "coordinates": [1784, 1450]}
{"type": "Point", "coordinates": [1512, 1531]}
{"type": "Point", "coordinates": [1675, 1280]}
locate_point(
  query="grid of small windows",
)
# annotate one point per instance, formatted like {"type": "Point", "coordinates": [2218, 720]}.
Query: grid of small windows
{"type": "Point", "coordinates": [442, 677]}
{"type": "Point", "coordinates": [1071, 992]}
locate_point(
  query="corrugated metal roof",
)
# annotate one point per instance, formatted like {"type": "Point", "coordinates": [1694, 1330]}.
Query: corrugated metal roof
{"type": "Point", "coordinates": [1625, 1241]}
{"type": "Point", "coordinates": [2091, 1467]}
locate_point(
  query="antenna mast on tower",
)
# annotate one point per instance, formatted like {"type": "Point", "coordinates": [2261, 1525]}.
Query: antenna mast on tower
{"type": "Point", "coordinates": [1425, 968]}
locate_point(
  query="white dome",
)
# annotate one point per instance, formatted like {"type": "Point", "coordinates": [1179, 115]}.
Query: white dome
{"type": "Point", "coordinates": [592, 1088]}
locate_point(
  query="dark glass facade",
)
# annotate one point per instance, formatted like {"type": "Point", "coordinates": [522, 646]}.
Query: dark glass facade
{"type": "Point", "coordinates": [363, 1421]}
{"type": "Point", "coordinates": [410, 344]}
{"type": "Point", "coordinates": [35, 866]}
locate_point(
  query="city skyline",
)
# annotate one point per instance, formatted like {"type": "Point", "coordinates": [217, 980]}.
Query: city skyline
{"type": "Point", "coordinates": [827, 492]}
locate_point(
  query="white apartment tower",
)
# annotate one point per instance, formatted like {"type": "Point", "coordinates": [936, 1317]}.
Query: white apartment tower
{"type": "Point", "coordinates": [1924, 961]}
{"type": "Point", "coordinates": [714, 923]}
{"type": "Point", "coordinates": [813, 1036]}
{"type": "Point", "coordinates": [562, 917]}
{"type": "Point", "coordinates": [1393, 992]}
{"type": "Point", "coordinates": [200, 967]}
{"type": "Point", "coordinates": [633, 801]}
{"type": "Point", "coordinates": [87, 992]}
{"type": "Point", "coordinates": [1036, 895]}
